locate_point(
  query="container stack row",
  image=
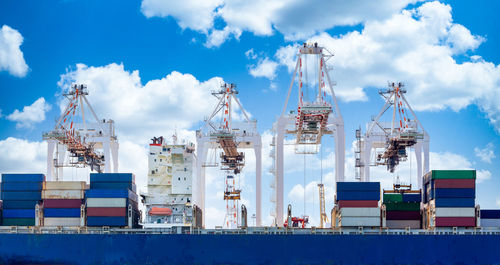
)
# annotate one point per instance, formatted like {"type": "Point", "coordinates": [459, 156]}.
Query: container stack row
{"type": "Point", "coordinates": [357, 204]}
{"type": "Point", "coordinates": [403, 209]}
{"type": "Point", "coordinates": [449, 198]}
{"type": "Point", "coordinates": [62, 203]}
{"type": "Point", "coordinates": [112, 200]}
{"type": "Point", "coordinates": [20, 195]}
{"type": "Point", "coordinates": [490, 218]}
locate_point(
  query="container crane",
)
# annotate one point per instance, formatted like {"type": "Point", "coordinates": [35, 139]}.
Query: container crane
{"type": "Point", "coordinates": [391, 140]}
{"type": "Point", "coordinates": [230, 136]}
{"type": "Point", "coordinates": [84, 144]}
{"type": "Point", "coordinates": [316, 116]}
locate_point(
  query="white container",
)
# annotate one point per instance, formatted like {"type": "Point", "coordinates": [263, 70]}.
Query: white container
{"type": "Point", "coordinates": [360, 211]}
{"type": "Point", "coordinates": [60, 221]}
{"type": "Point", "coordinates": [359, 221]}
{"type": "Point", "coordinates": [64, 185]}
{"type": "Point", "coordinates": [402, 224]}
{"type": "Point", "coordinates": [490, 222]}
{"type": "Point", "coordinates": [455, 212]}
{"type": "Point", "coordinates": [63, 194]}
{"type": "Point", "coordinates": [106, 202]}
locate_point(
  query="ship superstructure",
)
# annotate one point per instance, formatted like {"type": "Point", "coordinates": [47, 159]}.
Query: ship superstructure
{"type": "Point", "coordinates": [168, 201]}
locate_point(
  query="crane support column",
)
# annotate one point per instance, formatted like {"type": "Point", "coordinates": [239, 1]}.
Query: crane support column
{"type": "Point", "coordinates": [257, 145]}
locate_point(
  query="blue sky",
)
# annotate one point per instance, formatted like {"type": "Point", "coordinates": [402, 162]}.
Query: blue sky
{"type": "Point", "coordinates": [446, 53]}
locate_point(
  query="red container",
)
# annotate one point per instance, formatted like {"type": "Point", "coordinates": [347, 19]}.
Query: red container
{"type": "Point", "coordinates": [455, 221]}
{"type": "Point", "coordinates": [62, 203]}
{"type": "Point", "coordinates": [106, 211]}
{"type": "Point", "coordinates": [455, 183]}
{"type": "Point", "coordinates": [357, 204]}
{"type": "Point", "coordinates": [403, 215]}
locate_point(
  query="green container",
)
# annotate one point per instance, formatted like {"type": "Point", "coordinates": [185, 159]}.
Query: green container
{"type": "Point", "coordinates": [403, 206]}
{"type": "Point", "coordinates": [393, 197]}
{"type": "Point", "coordinates": [451, 174]}
{"type": "Point", "coordinates": [18, 222]}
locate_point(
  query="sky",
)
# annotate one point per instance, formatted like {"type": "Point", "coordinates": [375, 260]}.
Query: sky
{"type": "Point", "coordinates": [150, 66]}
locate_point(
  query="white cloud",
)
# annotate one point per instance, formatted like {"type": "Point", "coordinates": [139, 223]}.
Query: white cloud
{"type": "Point", "coordinates": [35, 113]}
{"type": "Point", "coordinates": [486, 154]}
{"type": "Point", "coordinates": [264, 68]}
{"type": "Point", "coordinates": [294, 19]}
{"type": "Point", "coordinates": [22, 156]}
{"type": "Point", "coordinates": [11, 56]}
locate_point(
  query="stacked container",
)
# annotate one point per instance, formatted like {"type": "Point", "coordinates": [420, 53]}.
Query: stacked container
{"type": "Point", "coordinates": [402, 210]}
{"type": "Point", "coordinates": [62, 203]}
{"type": "Point", "coordinates": [449, 198]}
{"type": "Point", "coordinates": [20, 194]}
{"type": "Point", "coordinates": [357, 204]}
{"type": "Point", "coordinates": [490, 218]}
{"type": "Point", "coordinates": [112, 200]}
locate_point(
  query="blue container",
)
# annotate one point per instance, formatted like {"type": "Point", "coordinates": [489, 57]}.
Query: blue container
{"type": "Point", "coordinates": [61, 212]}
{"type": "Point", "coordinates": [22, 186]}
{"type": "Point", "coordinates": [22, 195]}
{"type": "Point", "coordinates": [455, 202]}
{"type": "Point", "coordinates": [490, 214]}
{"type": "Point", "coordinates": [106, 221]}
{"type": "Point", "coordinates": [111, 177]}
{"type": "Point", "coordinates": [412, 197]}
{"type": "Point", "coordinates": [454, 193]}
{"type": "Point", "coordinates": [358, 186]}
{"type": "Point", "coordinates": [19, 213]}
{"type": "Point", "coordinates": [20, 204]}
{"type": "Point", "coordinates": [23, 178]}
{"type": "Point", "coordinates": [358, 195]}
{"type": "Point", "coordinates": [112, 185]}
{"type": "Point", "coordinates": [111, 193]}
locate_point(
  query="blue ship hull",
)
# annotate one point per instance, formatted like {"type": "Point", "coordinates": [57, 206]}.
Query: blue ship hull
{"type": "Point", "coordinates": [247, 249]}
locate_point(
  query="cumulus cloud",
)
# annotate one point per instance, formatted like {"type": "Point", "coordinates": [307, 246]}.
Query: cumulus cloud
{"type": "Point", "coordinates": [35, 113]}
{"type": "Point", "coordinates": [294, 19]}
{"type": "Point", "coordinates": [11, 56]}
{"type": "Point", "coordinates": [22, 156]}
{"type": "Point", "coordinates": [486, 154]}
{"type": "Point", "coordinates": [264, 68]}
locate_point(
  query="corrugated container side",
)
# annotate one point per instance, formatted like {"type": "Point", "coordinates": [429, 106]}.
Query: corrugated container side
{"type": "Point", "coordinates": [23, 177]}
{"type": "Point", "coordinates": [359, 211]}
{"type": "Point", "coordinates": [61, 221]}
{"type": "Point", "coordinates": [61, 212]}
{"type": "Point", "coordinates": [21, 186]}
{"type": "Point", "coordinates": [403, 215]}
{"type": "Point", "coordinates": [412, 197]}
{"type": "Point", "coordinates": [358, 195]}
{"type": "Point", "coordinates": [455, 212]}
{"type": "Point", "coordinates": [107, 211]}
{"type": "Point", "coordinates": [490, 214]}
{"type": "Point", "coordinates": [63, 194]}
{"type": "Point", "coordinates": [21, 195]}
{"type": "Point", "coordinates": [490, 222]}
{"type": "Point", "coordinates": [358, 186]}
{"type": "Point", "coordinates": [64, 185]}
{"type": "Point", "coordinates": [453, 174]}
{"type": "Point", "coordinates": [392, 197]}
{"type": "Point", "coordinates": [410, 206]}
{"type": "Point", "coordinates": [113, 185]}
{"type": "Point", "coordinates": [455, 183]}
{"type": "Point", "coordinates": [454, 202]}
{"type": "Point", "coordinates": [342, 204]}
{"type": "Point", "coordinates": [360, 221]}
{"type": "Point", "coordinates": [62, 203]}
{"type": "Point", "coordinates": [455, 221]}
{"type": "Point", "coordinates": [111, 193]}
{"type": "Point", "coordinates": [19, 221]}
{"type": "Point", "coordinates": [454, 193]}
{"type": "Point", "coordinates": [19, 204]}
{"type": "Point", "coordinates": [19, 213]}
{"type": "Point", "coordinates": [106, 202]}
{"type": "Point", "coordinates": [402, 224]}
{"type": "Point", "coordinates": [112, 177]}
{"type": "Point", "coordinates": [106, 221]}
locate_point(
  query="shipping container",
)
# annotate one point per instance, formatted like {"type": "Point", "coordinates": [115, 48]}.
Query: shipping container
{"type": "Point", "coordinates": [455, 212]}
{"type": "Point", "coordinates": [410, 206]}
{"type": "Point", "coordinates": [106, 211]}
{"type": "Point", "coordinates": [393, 197]}
{"type": "Point", "coordinates": [20, 204]}
{"type": "Point", "coordinates": [360, 221]}
{"type": "Point", "coordinates": [18, 221]}
{"type": "Point", "coordinates": [62, 203]}
{"type": "Point", "coordinates": [61, 221]}
{"type": "Point", "coordinates": [450, 174]}
{"type": "Point", "coordinates": [23, 177]}
{"type": "Point", "coordinates": [412, 197]}
{"type": "Point", "coordinates": [106, 202]}
{"type": "Point", "coordinates": [454, 193]}
{"type": "Point", "coordinates": [402, 224]}
{"type": "Point", "coordinates": [21, 195]}
{"type": "Point", "coordinates": [344, 203]}
{"type": "Point", "coordinates": [358, 186]}
{"type": "Point", "coordinates": [63, 194]}
{"type": "Point", "coordinates": [495, 214]}
{"type": "Point", "coordinates": [112, 177]}
{"type": "Point", "coordinates": [113, 185]}
{"type": "Point", "coordinates": [64, 185]}
{"type": "Point", "coordinates": [454, 183]}
{"type": "Point", "coordinates": [21, 186]}
{"type": "Point", "coordinates": [106, 221]}
{"type": "Point", "coordinates": [359, 211]}
{"type": "Point", "coordinates": [358, 195]}
{"type": "Point", "coordinates": [19, 213]}
{"type": "Point", "coordinates": [61, 212]}
{"type": "Point", "coordinates": [490, 222]}
{"type": "Point", "coordinates": [403, 215]}
{"type": "Point", "coordinates": [455, 221]}
{"type": "Point", "coordinates": [111, 193]}
{"type": "Point", "coordinates": [454, 202]}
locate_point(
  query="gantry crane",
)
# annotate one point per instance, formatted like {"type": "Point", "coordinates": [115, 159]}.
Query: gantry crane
{"type": "Point", "coordinates": [81, 144]}
{"type": "Point", "coordinates": [230, 136]}
{"type": "Point", "coordinates": [314, 118]}
{"type": "Point", "coordinates": [322, 211]}
{"type": "Point", "coordinates": [391, 140]}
